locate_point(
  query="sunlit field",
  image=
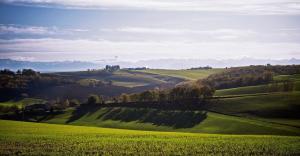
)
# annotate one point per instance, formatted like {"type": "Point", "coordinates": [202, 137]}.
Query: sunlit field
{"type": "Point", "coordinates": [17, 138]}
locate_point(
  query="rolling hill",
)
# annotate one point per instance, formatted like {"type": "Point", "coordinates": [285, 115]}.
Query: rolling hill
{"type": "Point", "coordinates": [185, 74]}
{"type": "Point", "coordinates": [166, 120]}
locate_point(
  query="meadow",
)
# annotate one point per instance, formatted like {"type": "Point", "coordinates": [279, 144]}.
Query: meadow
{"type": "Point", "coordinates": [266, 88]}
{"type": "Point", "coordinates": [18, 138]}
{"type": "Point", "coordinates": [167, 120]}
{"type": "Point", "coordinates": [185, 74]}
{"type": "Point", "coordinates": [20, 103]}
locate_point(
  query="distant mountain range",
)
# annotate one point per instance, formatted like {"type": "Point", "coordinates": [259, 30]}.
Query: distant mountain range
{"type": "Point", "coordinates": [157, 64]}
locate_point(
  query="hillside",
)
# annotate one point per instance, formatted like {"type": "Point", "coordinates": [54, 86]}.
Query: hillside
{"type": "Point", "coordinates": [166, 120]}
{"type": "Point", "coordinates": [185, 74]}
{"type": "Point", "coordinates": [277, 107]}
{"type": "Point", "coordinates": [261, 102]}
{"type": "Point", "coordinates": [267, 88]}
{"type": "Point", "coordinates": [19, 103]}
{"type": "Point", "coordinates": [242, 110]}
{"type": "Point", "coordinates": [37, 138]}
{"type": "Point", "coordinates": [79, 85]}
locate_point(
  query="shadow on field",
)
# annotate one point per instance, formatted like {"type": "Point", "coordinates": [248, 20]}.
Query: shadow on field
{"type": "Point", "coordinates": [289, 112]}
{"type": "Point", "coordinates": [82, 111]}
{"type": "Point", "coordinates": [171, 118]}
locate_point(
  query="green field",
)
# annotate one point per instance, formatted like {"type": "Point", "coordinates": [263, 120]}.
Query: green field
{"type": "Point", "coordinates": [261, 88]}
{"type": "Point", "coordinates": [18, 138]}
{"type": "Point", "coordinates": [19, 103]}
{"type": "Point", "coordinates": [185, 74]}
{"type": "Point", "coordinates": [280, 107]}
{"type": "Point", "coordinates": [169, 120]}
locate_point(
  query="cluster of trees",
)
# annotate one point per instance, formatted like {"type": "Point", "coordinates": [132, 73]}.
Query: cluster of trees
{"type": "Point", "coordinates": [9, 109]}
{"type": "Point", "coordinates": [248, 76]}
{"type": "Point", "coordinates": [51, 106]}
{"type": "Point", "coordinates": [112, 68]}
{"type": "Point", "coordinates": [14, 84]}
{"type": "Point", "coordinates": [282, 70]}
{"type": "Point", "coordinates": [137, 68]}
{"type": "Point", "coordinates": [189, 93]}
{"type": "Point", "coordinates": [95, 99]}
{"type": "Point", "coordinates": [284, 86]}
{"type": "Point", "coordinates": [201, 68]}
{"type": "Point", "coordinates": [238, 77]}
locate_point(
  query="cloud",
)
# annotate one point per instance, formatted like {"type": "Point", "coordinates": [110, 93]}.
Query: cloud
{"type": "Point", "coordinates": [237, 6]}
{"type": "Point", "coordinates": [18, 29]}
{"type": "Point", "coordinates": [14, 29]}
{"type": "Point", "coordinates": [223, 34]}
{"type": "Point", "coordinates": [135, 50]}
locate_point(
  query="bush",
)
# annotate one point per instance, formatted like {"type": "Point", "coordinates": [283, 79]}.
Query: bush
{"type": "Point", "coordinates": [74, 103]}
{"type": "Point", "coordinates": [94, 99]}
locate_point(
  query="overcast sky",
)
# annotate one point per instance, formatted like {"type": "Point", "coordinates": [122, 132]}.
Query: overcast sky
{"type": "Point", "coordinates": [91, 30]}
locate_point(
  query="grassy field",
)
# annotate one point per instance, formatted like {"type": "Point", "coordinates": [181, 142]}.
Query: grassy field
{"type": "Point", "coordinates": [19, 103]}
{"type": "Point", "coordinates": [261, 88]}
{"type": "Point", "coordinates": [280, 107]}
{"type": "Point", "coordinates": [168, 120]}
{"type": "Point", "coordinates": [18, 138]}
{"type": "Point", "coordinates": [185, 74]}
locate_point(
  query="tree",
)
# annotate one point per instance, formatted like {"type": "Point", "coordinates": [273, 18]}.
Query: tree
{"type": "Point", "coordinates": [112, 68]}
{"type": "Point", "coordinates": [146, 96]}
{"type": "Point", "coordinates": [288, 86]}
{"type": "Point", "coordinates": [125, 98]}
{"type": "Point", "coordinates": [74, 103]}
{"type": "Point", "coordinates": [268, 76]}
{"type": "Point", "coordinates": [162, 95]}
{"type": "Point", "coordinates": [194, 92]}
{"type": "Point", "coordinates": [93, 99]}
{"type": "Point", "coordinates": [7, 72]}
{"type": "Point", "coordinates": [66, 103]}
{"type": "Point", "coordinates": [207, 91]}
{"type": "Point", "coordinates": [29, 72]}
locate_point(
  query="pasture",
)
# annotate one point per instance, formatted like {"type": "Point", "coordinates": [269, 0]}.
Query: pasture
{"type": "Point", "coordinates": [279, 107]}
{"type": "Point", "coordinates": [20, 103]}
{"type": "Point", "coordinates": [168, 120]}
{"type": "Point", "coordinates": [185, 74]}
{"type": "Point", "coordinates": [17, 138]}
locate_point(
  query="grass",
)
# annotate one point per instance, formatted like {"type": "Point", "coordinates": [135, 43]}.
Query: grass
{"type": "Point", "coordinates": [261, 88]}
{"type": "Point", "coordinates": [167, 120]}
{"type": "Point", "coordinates": [243, 90]}
{"type": "Point", "coordinates": [185, 74]}
{"type": "Point", "coordinates": [295, 77]}
{"type": "Point", "coordinates": [280, 107]}
{"type": "Point", "coordinates": [129, 84]}
{"type": "Point", "coordinates": [18, 138]}
{"type": "Point", "coordinates": [19, 103]}
{"type": "Point", "coordinates": [87, 82]}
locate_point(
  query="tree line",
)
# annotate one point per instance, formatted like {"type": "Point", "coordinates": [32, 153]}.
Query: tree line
{"type": "Point", "coordinates": [188, 93]}
{"type": "Point", "coordinates": [248, 76]}
{"type": "Point", "coordinates": [15, 84]}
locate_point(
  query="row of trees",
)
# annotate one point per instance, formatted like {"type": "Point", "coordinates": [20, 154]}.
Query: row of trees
{"type": "Point", "coordinates": [188, 93]}
{"type": "Point", "coordinates": [282, 70]}
{"type": "Point", "coordinates": [25, 72]}
{"type": "Point", "coordinates": [13, 84]}
{"type": "Point", "coordinates": [112, 68]}
{"type": "Point", "coordinates": [284, 86]}
{"type": "Point", "coordinates": [249, 76]}
{"type": "Point", "coordinates": [238, 77]}
{"type": "Point", "coordinates": [201, 68]}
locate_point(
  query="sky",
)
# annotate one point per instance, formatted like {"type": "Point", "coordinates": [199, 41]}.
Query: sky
{"type": "Point", "coordinates": [132, 30]}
